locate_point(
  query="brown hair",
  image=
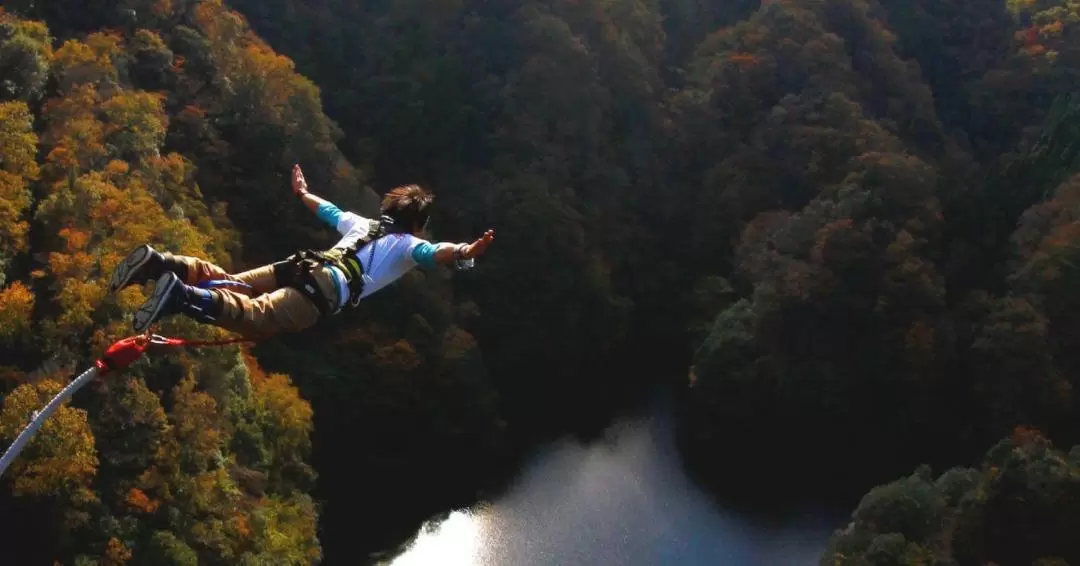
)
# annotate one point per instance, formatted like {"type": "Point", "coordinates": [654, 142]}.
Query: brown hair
{"type": "Point", "coordinates": [407, 205]}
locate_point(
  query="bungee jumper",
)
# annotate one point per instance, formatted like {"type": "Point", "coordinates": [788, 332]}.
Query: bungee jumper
{"type": "Point", "coordinates": [288, 295]}
{"type": "Point", "coordinates": [294, 294]}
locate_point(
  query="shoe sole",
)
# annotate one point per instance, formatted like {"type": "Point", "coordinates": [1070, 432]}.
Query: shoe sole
{"type": "Point", "coordinates": [123, 272]}
{"type": "Point", "coordinates": [148, 312]}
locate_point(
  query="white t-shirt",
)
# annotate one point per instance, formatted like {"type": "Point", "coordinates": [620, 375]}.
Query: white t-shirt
{"type": "Point", "coordinates": [392, 259]}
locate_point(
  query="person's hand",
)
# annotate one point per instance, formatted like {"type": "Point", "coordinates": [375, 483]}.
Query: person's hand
{"type": "Point", "coordinates": [299, 185]}
{"type": "Point", "coordinates": [478, 247]}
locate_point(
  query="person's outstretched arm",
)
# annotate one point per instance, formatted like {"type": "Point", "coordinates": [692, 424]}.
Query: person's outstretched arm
{"type": "Point", "coordinates": [325, 210]}
{"type": "Point", "coordinates": [444, 253]}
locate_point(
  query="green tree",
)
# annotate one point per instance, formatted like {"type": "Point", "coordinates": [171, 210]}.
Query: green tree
{"type": "Point", "coordinates": [1007, 511]}
{"type": "Point", "coordinates": [25, 54]}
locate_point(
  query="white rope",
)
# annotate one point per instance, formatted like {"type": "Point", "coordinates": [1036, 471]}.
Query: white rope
{"type": "Point", "coordinates": [41, 416]}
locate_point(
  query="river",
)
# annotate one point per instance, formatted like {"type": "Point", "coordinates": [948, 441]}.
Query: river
{"type": "Point", "coordinates": [620, 501]}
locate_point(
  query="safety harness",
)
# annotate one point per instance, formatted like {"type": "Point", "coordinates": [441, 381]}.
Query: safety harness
{"type": "Point", "coordinates": [297, 270]}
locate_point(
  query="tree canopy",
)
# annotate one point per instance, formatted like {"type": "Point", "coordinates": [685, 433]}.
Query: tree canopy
{"type": "Point", "coordinates": [824, 223]}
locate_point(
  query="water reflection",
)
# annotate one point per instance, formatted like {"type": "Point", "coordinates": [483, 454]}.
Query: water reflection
{"type": "Point", "coordinates": [455, 541]}
{"type": "Point", "coordinates": [622, 501]}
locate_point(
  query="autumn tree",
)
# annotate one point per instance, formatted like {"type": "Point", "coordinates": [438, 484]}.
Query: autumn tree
{"type": "Point", "coordinates": [153, 61]}
{"type": "Point", "coordinates": [821, 193]}
{"type": "Point", "coordinates": [18, 168]}
{"type": "Point", "coordinates": [1005, 511]}
{"type": "Point", "coordinates": [59, 462]}
{"type": "Point", "coordinates": [146, 469]}
{"type": "Point", "coordinates": [90, 62]}
{"type": "Point", "coordinates": [25, 53]}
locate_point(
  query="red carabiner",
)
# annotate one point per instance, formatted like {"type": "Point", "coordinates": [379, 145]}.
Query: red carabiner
{"type": "Point", "coordinates": [123, 353]}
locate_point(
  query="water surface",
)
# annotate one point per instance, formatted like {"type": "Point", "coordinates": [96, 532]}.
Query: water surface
{"type": "Point", "coordinates": [621, 501]}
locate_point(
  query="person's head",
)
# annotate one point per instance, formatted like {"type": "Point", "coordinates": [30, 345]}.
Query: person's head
{"type": "Point", "coordinates": [409, 206]}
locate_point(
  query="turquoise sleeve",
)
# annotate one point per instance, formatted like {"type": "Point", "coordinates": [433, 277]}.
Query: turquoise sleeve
{"type": "Point", "coordinates": [424, 254]}
{"type": "Point", "coordinates": [329, 213]}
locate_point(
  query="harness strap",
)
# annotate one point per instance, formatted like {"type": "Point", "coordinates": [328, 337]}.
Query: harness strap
{"type": "Point", "coordinates": [308, 287]}
{"type": "Point", "coordinates": [296, 270]}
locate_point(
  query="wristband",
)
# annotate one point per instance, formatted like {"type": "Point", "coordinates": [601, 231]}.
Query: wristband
{"type": "Point", "coordinates": [459, 251]}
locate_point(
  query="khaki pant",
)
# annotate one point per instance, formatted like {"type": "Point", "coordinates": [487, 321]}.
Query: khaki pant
{"type": "Point", "coordinates": [265, 308]}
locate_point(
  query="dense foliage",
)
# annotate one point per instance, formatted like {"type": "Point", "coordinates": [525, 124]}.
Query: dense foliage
{"type": "Point", "coordinates": [196, 458]}
{"type": "Point", "coordinates": [853, 220]}
{"type": "Point", "coordinates": [177, 129]}
{"type": "Point", "coordinates": [1017, 507]}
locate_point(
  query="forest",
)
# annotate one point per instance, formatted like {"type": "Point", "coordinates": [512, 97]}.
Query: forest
{"type": "Point", "coordinates": [843, 232]}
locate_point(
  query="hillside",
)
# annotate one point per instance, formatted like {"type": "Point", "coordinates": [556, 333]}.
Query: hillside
{"type": "Point", "coordinates": [841, 230]}
{"type": "Point", "coordinates": [178, 128]}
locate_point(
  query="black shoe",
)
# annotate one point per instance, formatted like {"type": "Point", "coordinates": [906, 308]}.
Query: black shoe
{"type": "Point", "coordinates": [167, 299]}
{"type": "Point", "coordinates": [143, 264]}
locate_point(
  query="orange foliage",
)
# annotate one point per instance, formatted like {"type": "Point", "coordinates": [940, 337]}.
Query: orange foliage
{"type": "Point", "coordinates": [240, 525]}
{"type": "Point", "coordinates": [279, 407]}
{"type": "Point", "coordinates": [276, 394]}
{"type": "Point", "coordinates": [88, 62]}
{"type": "Point", "coordinates": [18, 142]}
{"type": "Point", "coordinates": [18, 151]}
{"type": "Point", "coordinates": [1046, 32]}
{"type": "Point", "coordinates": [196, 420]}
{"type": "Point", "coordinates": [107, 41]}
{"type": "Point", "coordinates": [221, 25]}
{"type": "Point", "coordinates": [116, 168]}
{"type": "Point", "coordinates": [18, 147]}
{"type": "Point", "coordinates": [1024, 436]}
{"type": "Point", "coordinates": [16, 306]}
{"type": "Point", "coordinates": [271, 75]}
{"type": "Point", "coordinates": [99, 235]}
{"type": "Point", "coordinates": [399, 356]}
{"type": "Point", "coordinates": [162, 8]}
{"type": "Point", "coordinates": [1065, 236]}
{"type": "Point", "coordinates": [68, 265]}
{"type": "Point", "coordinates": [105, 186]}
{"type": "Point", "coordinates": [75, 134]}
{"type": "Point", "coordinates": [140, 502]}
{"type": "Point", "coordinates": [1053, 28]}
{"type": "Point", "coordinates": [256, 374]}
{"type": "Point", "coordinates": [116, 554]}
{"type": "Point", "coordinates": [76, 239]}
{"type": "Point", "coordinates": [743, 59]}
{"type": "Point", "coordinates": [14, 200]}
{"type": "Point", "coordinates": [1027, 35]}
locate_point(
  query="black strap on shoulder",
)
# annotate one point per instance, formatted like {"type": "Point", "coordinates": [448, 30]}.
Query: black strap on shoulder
{"type": "Point", "coordinates": [348, 259]}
